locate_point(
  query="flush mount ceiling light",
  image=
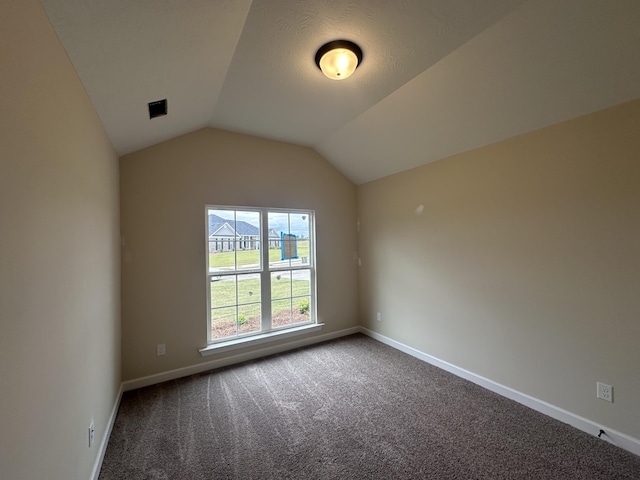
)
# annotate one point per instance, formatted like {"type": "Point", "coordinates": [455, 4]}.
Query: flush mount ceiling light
{"type": "Point", "coordinates": [338, 59]}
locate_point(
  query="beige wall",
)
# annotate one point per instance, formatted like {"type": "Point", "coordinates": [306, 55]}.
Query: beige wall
{"type": "Point", "coordinates": [524, 266]}
{"type": "Point", "coordinates": [164, 189]}
{"type": "Point", "coordinates": [59, 258]}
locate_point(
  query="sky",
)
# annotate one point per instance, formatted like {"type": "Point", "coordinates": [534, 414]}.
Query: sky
{"type": "Point", "coordinates": [279, 221]}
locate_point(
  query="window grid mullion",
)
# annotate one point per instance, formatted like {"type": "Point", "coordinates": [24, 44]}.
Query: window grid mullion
{"type": "Point", "coordinates": [265, 274]}
{"type": "Point", "coordinates": [236, 305]}
{"type": "Point", "coordinates": [290, 286]}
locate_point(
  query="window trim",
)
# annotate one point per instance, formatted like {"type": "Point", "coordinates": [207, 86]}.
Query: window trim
{"type": "Point", "coordinates": [267, 332]}
{"type": "Point", "coordinates": [257, 339]}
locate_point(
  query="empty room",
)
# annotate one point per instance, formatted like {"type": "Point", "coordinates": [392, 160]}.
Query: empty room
{"type": "Point", "coordinates": [282, 239]}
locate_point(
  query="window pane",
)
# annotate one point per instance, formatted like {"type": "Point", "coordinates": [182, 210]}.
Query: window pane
{"type": "Point", "coordinates": [301, 309]}
{"type": "Point", "coordinates": [247, 258]}
{"type": "Point", "coordinates": [249, 318]}
{"type": "Point", "coordinates": [249, 288]}
{"type": "Point", "coordinates": [290, 283]}
{"type": "Point", "coordinates": [247, 244]}
{"type": "Point", "coordinates": [301, 283]}
{"type": "Point", "coordinates": [234, 240]}
{"type": "Point", "coordinates": [249, 303]}
{"type": "Point", "coordinates": [223, 322]}
{"type": "Point", "coordinates": [281, 312]}
{"type": "Point", "coordinates": [222, 259]}
{"type": "Point", "coordinates": [291, 293]}
{"type": "Point", "coordinates": [221, 240]}
{"type": "Point", "coordinates": [223, 291]}
{"type": "Point", "coordinates": [303, 253]}
{"type": "Point", "coordinates": [278, 224]}
{"type": "Point", "coordinates": [281, 284]}
{"type": "Point", "coordinates": [299, 226]}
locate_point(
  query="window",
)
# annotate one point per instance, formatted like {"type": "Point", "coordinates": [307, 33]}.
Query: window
{"type": "Point", "coordinates": [254, 284]}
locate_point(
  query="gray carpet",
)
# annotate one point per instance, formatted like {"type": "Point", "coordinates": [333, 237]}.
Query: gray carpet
{"type": "Point", "coordinates": [352, 408]}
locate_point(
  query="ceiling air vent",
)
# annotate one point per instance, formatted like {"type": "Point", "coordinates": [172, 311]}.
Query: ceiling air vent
{"type": "Point", "coordinates": [158, 108]}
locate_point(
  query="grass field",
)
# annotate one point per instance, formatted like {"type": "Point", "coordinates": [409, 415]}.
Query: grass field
{"type": "Point", "coordinates": [226, 294]}
{"type": "Point", "coordinates": [235, 304]}
{"type": "Point", "coordinates": [251, 257]}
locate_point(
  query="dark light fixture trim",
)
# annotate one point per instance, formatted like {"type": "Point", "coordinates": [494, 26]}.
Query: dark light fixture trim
{"type": "Point", "coordinates": [339, 44]}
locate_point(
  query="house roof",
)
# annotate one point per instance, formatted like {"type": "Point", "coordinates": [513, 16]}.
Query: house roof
{"type": "Point", "coordinates": [240, 227]}
{"type": "Point", "coordinates": [437, 77]}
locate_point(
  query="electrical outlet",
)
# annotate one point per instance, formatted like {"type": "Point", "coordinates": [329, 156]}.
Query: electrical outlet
{"type": "Point", "coordinates": [379, 317]}
{"type": "Point", "coordinates": [605, 392]}
{"type": "Point", "coordinates": [161, 349]}
{"type": "Point", "coordinates": [92, 432]}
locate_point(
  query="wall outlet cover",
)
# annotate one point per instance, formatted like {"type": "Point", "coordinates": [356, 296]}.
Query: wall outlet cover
{"type": "Point", "coordinates": [604, 392]}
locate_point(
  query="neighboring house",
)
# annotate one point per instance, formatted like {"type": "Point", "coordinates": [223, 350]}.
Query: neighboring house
{"type": "Point", "coordinates": [274, 239]}
{"type": "Point", "coordinates": [227, 235]}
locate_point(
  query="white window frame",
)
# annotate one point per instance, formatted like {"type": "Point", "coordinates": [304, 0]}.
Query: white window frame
{"type": "Point", "coordinates": [267, 330]}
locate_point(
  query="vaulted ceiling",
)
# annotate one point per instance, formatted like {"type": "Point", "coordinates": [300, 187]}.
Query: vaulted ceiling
{"type": "Point", "coordinates": [438, 77]}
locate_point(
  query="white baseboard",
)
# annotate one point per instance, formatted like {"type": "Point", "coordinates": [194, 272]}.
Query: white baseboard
{"type": "Point", "coordinates": [95, 473]}
{"type": "Point", "coordinates": [242, 357]}
{"type": "Point", "coordinates": [620, 439]}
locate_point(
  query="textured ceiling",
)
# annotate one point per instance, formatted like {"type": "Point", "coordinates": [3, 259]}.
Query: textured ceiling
{"type": "Point", "coordinates": [274, 88]}
{"type": "Point", "coordinates": [438, 76]}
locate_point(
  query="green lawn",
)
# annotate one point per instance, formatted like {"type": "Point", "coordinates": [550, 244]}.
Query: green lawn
{"type": "Point", "coordinates": [251, 257]}
{"type": "Point", "coordinates": [223, 296]}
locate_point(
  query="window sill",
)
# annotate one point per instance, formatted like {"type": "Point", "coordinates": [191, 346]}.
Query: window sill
{"type": "Point", "coordinates": [234, 344]}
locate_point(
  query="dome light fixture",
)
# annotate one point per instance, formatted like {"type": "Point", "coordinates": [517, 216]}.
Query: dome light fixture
{"type": "Point", "coordinates": [338, 59]}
